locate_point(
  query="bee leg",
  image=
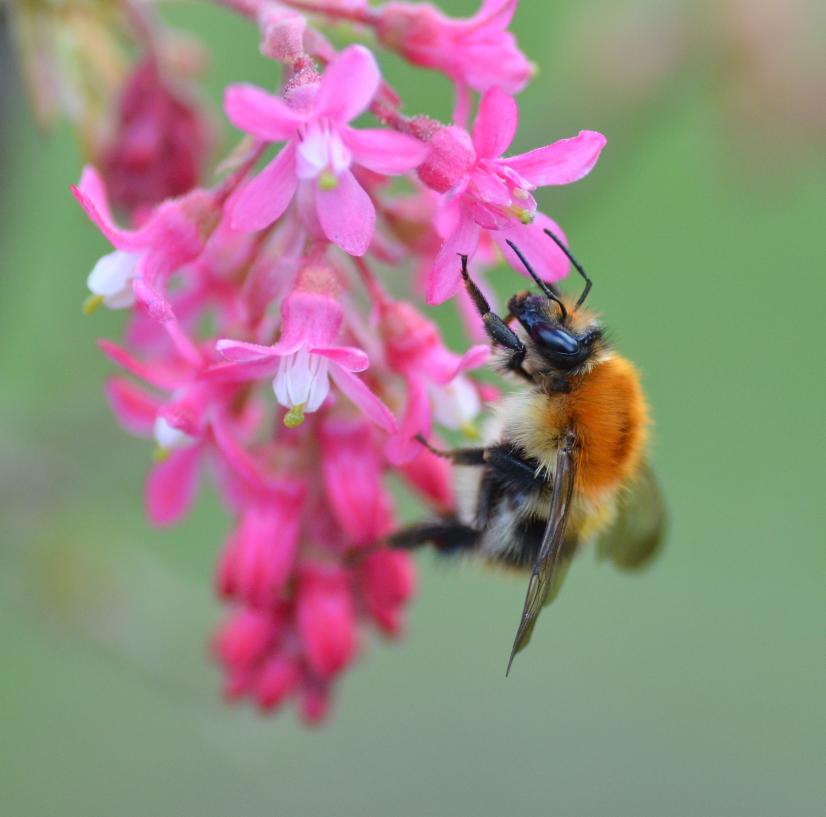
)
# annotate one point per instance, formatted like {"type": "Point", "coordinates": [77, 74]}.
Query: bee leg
{"type": "Point", "coordinates": [497, 329]}
{"type": "Point", "coordinates": [458, 456]}
{"type": "Point", "coordinates": [520, 473]}
{"type": "Point", "coordinates": [450, 536]}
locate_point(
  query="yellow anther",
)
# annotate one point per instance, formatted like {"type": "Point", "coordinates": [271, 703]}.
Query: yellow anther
{"type": "Point", "coordinates": [469, 430]}
{"type": "Point", "coordinates": [160, 454]}
{"type": "Point", "coordinates": [92, 303]}
{"type": "Point", "coordinates": [295, 416]}
{"type": "Point", "coordinates": [327, 180]}
{"type": "Point", "coordinates": [525, 216]}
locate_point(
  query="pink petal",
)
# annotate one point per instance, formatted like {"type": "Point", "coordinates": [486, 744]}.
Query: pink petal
{"type": "Point", "coordinates": [326, 621]}
{"type": "Point", "coordinates": [91, 195]}
{"type": "Point", "coordinates": [475, 357]}
{"type": "Point", "coordinates": [431, 476]}
{"type": "Point", "coordinates": [446, 275]}
{"type": "Point", "coordinates": [495, 124]}
{"type": "Point", "coordinates": [352, 469]}
{"type": "Point", "coordinates": [385, 151]}
{"type": "Point", "coordinates": [562, 162]}
{"type": "Point", "coordinates": [259, 203]}
{"type": "Point", "coordinates": [348, 85]}
{"type": "Point", "coordinates": [239, 371]}
{"type": "Point", "coordinates": [240, 352]}
{"type": "Point", "coordinates": [346, 214]}
{"type": "Point", "coordinates": [540, 251]}
{"type": "Point", "coordinates": [354, 388]}
{"type": "Point", "coordinates": [277, 679]}
{"type": "Point", "coordinates": [236, 456]}
{"type": "Point", "coordinates": [134, 408]}
{"type": "Point", "coordinates": [315, 705]}
{"type": "Point", "coordinates": [403, 447]}
{"type": "Point", "coordinates": [263, 115]}
{"type": "Point", "coordinates": [387, 582]}
{"type": "Point", "coordinates": [261, 553]}
{"type": "Point", "coordinates": [244, 639]}
{"type": "Point", "coordinates": [494, 15]}
{"type": "Point", "coordinates": [351, 358]}
{"type": "Point", "coordinates": [171, 486]}
{"type": "Point", "coordinates": [308, 319]}
{"type": "Point", "coordinates": [160, 375]}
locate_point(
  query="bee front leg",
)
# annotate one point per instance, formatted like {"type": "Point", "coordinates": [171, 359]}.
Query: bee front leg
{"type": "Point", "coordinates": [497, 329]}
{"type": "Point", "coordinates": [458, 456]}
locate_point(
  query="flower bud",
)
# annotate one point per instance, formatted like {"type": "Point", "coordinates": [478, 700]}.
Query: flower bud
{"type": "Point", "coordinates": [282, 35]}
{"type": "Point", "coordinates": [326, 620]}
{"type": "Point", "coordinates": [451, 156]}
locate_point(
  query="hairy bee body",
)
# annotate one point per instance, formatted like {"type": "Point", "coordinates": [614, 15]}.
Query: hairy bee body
{"type": "Point", "coordinates": [606, 410]}
{"type": "Point", "coordinates": [563, 461]}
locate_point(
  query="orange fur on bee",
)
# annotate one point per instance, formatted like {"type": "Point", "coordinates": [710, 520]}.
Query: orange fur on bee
{"type": "Point", "coordinates": [607, 410]}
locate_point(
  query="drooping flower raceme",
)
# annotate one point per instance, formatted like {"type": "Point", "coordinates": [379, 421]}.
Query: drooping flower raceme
{"type": "Point", "coordinates": [264, 348]}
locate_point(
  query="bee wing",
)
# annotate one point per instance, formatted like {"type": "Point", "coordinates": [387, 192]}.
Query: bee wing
{"type": "Point", "coordinates": [636, 534]}
{"type": "Point", "coordinates": [546, 567]}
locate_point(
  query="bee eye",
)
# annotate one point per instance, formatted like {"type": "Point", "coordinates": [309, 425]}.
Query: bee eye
{"type": "Point", "coordinates": [554, 339]}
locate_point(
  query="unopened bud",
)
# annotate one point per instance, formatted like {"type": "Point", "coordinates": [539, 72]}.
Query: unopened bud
{"type": "Point", "coordinates": [451, 156]}
{"type": "Point", "coordinates": [282, 35]}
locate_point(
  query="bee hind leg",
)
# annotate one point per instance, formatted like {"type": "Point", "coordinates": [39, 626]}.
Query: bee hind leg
{"type": "Point", "coordinates": [448, 536]}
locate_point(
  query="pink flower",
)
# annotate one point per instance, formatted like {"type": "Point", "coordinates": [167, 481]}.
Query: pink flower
{"type": "Point", "coordinates": [172, 236]}
{"type": "Point", "coordinates": [320, 150]}
{"type": "Point", "coordinates": [386, 582]}
{"type": "Point", "coordinates": [483, 191]}
{"type": "Point", "coordinates": [260, 555]}
{"type": "Point", "coordinates": [178, 427]}
{"type": "Point", "coordinates": [159, 144]}
{"type": "Point", "coordinates": [432, 478]}
{"type": "Point", "coordinates": [352, 468]}
{"type": "Point", "coordinates": [437, 386]}
{"type": "Point", "coordinates": [478, 52]}
{"type": "Point", "coordinates": [326, 620]}
{"type": "Point", "coordinates": [306, 356]}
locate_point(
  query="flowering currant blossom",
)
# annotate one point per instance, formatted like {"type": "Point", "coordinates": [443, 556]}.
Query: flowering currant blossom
{"type": "Point", "coordinates": [171, 236]}
{"type": "Point", "coordinates": [479, 52]}
{"type": "Point", "coordinates": [178, 425]}
{"type": "Point", "coordinates": [484, 191]}
{"type": "Point", "coordinates": [437, 387]}
{"type": "Point", "coordinates": [307, 355]}
{"type": "Point", "coordinates": [263, 349]}
{"type": "Point", "coordinates": [320, 149]}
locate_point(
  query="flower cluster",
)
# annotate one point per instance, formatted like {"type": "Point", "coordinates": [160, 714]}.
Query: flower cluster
{"type": "Point", "coordinates": [262, 345]}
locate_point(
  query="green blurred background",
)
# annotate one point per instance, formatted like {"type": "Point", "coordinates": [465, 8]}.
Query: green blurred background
{"type": "Point", "coordinates": [696, 688]}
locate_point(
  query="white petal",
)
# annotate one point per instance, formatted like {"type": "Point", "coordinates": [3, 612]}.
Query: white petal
{"type": "Point", "coordinates": [319, 384]}
{"type": "Point", "coordinates": [455, 404]}
{"type": "Point", "coordinates": [168, 436]}
{"type": "Point", "coordinates": [112, 277]}
{"type": "Point", "coordinates": [302, 379]}
{"type": "Point", "coordinates": [320, 149]}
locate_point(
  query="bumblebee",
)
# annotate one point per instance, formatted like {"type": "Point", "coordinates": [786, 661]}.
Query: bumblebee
{"type": "Point", "coordinates": [564, 462]}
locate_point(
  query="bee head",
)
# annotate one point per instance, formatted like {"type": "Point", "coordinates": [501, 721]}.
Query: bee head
{"type": "Point", "coordinates": [562, 339]}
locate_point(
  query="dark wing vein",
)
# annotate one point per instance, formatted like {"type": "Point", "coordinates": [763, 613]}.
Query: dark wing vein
{"type": "Point", "coordinates": [547, 561]}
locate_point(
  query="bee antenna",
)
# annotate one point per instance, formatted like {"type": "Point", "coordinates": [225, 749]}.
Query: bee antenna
{"type": "Point", "coordinates": [550, 292]}
{"type": "Point", "coordinates": [577, 266]}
